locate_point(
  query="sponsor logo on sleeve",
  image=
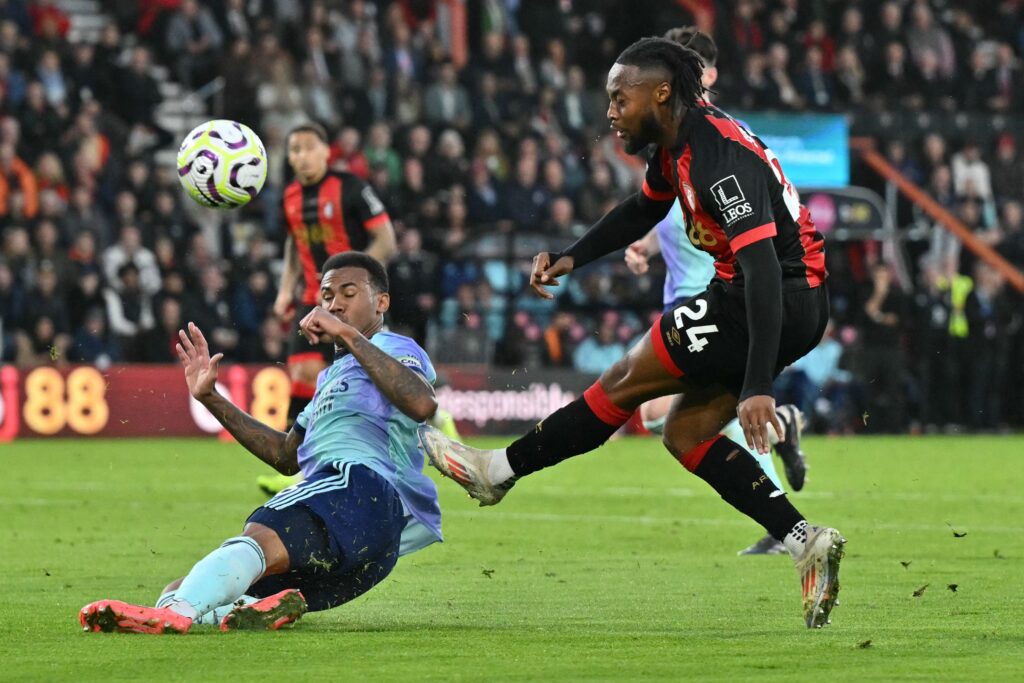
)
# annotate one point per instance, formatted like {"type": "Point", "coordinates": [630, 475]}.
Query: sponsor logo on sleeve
{"type": "Point", "coordinates": [730, 199]}
{"type": "Point", "coordinates": [410, 361]}
{"type": "Point", "coordinates": [372, 202]}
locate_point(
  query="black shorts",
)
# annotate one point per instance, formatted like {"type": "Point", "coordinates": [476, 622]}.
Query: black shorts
{"type": "Point", "coordinates": [299, 349]}
{"type": "Point", "coordinates": [705, 338]}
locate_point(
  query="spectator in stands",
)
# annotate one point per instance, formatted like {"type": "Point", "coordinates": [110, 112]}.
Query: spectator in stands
{"type": "Point", "coordinates": [17, 253]}
{"type": "Point", "coordinates": [930, 346]}
{"type": "Point", "coordinates": [562, 221]}
{"type": "Point", "coordinates": [279, 98]}
{"type": "Point", "coordinates": [560, 339]}
{"type": "Point", "coordinates": [490, 105]}
{"type": "Point", "coordinates": [41, 344]}
{"type": "Point", "coordinates": [138, 96]}
{"type": "Point", "coordinates": [250, 303]}
{"type": "Point", "coordinates": [893, 81]}
{"type": "Point", "coordinates": [1007, 170]}
{"type": "Point", "coordinates": [987, 316]}
{"type": "Point", "coordinates": [12, 83]}
{"type": "Point", "coordinates": [854, 37]}
{"type": "Point", "coordinates": [48, 248]}
{"type": "Point", "coordinates": [850, 78]}
{"type": "Point", "coordinates": [1007, 76]}
{"type": "Point", "coordinates": [968, 167]}
{"type": "Point", "coordinates": [194, 40]}
{"type": "Point", "coordinates": [209, 309]}
{"type": "Point", "coordinates": [156, 345]}
{"type": "Point", "coordinates": [129, 310]}
{"type": "Point", "coordinates": [12, 311]}
{"type": "Point", "coordinates": [977, 89]}
{"type": "Point", "coordinates": [91, 342]}
{"type": "Point", "coordinates": [925, 36]}
{"type": "Point", "coordinates": [1012, 227]}
{"type": "Point", "coordinates": [129, 249]}
{"type": "Point", "coordinates": [599, 351]}
{"type": "Point", "coordinates": [882, 363]}
{"type": "Point", "coordinates": [16, 176]}
{"type": "Point", "coordinates": [450, 167]}
{"type": "Point", "coordinates": [446, 103]}
{"type": "Point", "coordinates": [781, 92]}
{"type": "Point", "coordinates": [526, 199]}
{"type": "Point", "coordinates": [413, 275]}
{"type": "Point", "coordinates": [934, 90]}
{"type": "Point", "coordinates": [85, 293]}
{"type": "Point", "coordinates": [83, 216]}
{"type": "Point", "coordinates": [815, 85]}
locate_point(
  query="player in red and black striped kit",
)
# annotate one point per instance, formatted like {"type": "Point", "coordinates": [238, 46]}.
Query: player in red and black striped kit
{"type": "Point", "coordinates": [326, 213]}
{"type": "Point", "coordinates": [720, 349]}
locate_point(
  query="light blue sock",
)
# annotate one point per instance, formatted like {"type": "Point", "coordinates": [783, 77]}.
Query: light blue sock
{"type": "Point", "coordinates": [220, 578]}
{"type": "Point", "coordinates": [214, 616]}
{"type": "Point", "coordinates": [734, 432]}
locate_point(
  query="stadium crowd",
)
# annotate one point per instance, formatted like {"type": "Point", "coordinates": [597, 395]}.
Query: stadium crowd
{"type": "Point", "coordinates": [483, 162]}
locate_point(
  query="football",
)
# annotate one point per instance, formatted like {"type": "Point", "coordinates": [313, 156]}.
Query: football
{"type": "Point", "coordinates": [222, 164]}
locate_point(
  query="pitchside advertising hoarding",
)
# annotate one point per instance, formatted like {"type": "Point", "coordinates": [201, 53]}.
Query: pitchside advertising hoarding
{"type": "Point", "coordinates": [152, 400]}
{"type": "Point", "coordinates": [813, 149]}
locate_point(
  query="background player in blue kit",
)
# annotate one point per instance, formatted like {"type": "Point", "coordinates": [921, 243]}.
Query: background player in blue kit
{"type": "Point", "coordinates": [688, 272]}
{"type": "Point", "coordinates": [364, 501]}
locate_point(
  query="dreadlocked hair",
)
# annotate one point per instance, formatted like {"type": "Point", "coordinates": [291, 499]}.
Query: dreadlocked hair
{"type": "Point", "coordinates": [684, 66]}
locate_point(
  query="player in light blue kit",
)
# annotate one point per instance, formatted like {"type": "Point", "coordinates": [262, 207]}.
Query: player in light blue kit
{"type": "Point", "coordinates": [688, 272]}
{"type": "Point", "coordinates": [364, 501]}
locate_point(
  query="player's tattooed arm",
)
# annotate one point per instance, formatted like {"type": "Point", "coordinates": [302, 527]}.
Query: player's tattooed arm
{"type": "Point", "coordinates": [405, 388]}
{"type": "Point", "coordinates": [277, 449]}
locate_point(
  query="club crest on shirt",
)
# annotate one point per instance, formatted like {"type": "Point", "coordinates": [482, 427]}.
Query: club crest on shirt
{"type": "Point", "coordinates": [328, 210]}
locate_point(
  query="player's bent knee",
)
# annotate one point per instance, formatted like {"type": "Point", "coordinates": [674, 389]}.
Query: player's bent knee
{"type": "Point", "coordinates": [275, 553]}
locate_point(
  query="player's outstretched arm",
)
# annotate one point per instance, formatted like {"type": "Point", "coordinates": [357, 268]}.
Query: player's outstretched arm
{"type": "Point", "coordinates": [626, 223]}
{"type": "Point", "coordinates": [277, 449]}
{"type": "Point", "coordinates": [407, 390]}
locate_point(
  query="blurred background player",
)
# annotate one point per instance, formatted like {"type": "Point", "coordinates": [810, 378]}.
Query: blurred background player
{"type": "Point", "coordinates": [688, 272]}
{"type": "Point", "coordinates": [365, 500]}
{"type": "Point", "coordinates": [327, 212]}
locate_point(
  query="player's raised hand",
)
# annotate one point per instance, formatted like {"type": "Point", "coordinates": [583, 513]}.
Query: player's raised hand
{"type": "Point", "coordinates": [755, 414]}
{"type": "Point", "coordinates": [545, 274]}
{"type": "Point", "coordinates": [200, 368]}
{"type": "Point", "coordinates": [637, 257]}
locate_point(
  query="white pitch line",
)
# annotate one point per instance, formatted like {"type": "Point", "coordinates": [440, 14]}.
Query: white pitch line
{"type": "Point", "coordinates": [692, 521]}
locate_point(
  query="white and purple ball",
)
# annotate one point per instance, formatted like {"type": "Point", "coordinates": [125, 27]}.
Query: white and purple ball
{"type": "Point", "coordinates": [222, 164]}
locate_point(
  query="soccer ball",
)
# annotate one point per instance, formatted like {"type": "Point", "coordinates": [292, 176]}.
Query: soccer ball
{"type": "Point", "coordinates": [222, 164]}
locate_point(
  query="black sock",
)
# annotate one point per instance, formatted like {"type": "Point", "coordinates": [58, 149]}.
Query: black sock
{"type": "Point", "coordinates": [579, 427]}
{"type": "Point", "coordinates": [295, 406]}
{"type": "Point", "coordinates": [735, 474]}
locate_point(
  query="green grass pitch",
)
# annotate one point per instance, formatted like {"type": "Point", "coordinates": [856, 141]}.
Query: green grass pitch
{"type": "Point", "coordinates": [617, 565]}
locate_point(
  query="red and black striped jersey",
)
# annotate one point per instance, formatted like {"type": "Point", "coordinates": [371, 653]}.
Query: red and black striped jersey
{"type": "Point", "coordinates": [733, 193]}
{"type": "Point", "coordinates": [336, 214]}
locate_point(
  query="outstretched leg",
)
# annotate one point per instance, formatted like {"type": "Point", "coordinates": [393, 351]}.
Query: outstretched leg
{"type": "Point", "coordinates": [579, 427]}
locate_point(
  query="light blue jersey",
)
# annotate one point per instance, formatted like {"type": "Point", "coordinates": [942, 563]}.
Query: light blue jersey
{"type": "Point", "coordinates": [349, 420]}
{"type": "Point", "coordinates": [689, 269]}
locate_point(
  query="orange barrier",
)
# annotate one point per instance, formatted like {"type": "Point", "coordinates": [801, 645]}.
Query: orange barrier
{"type": "Point", "coordinates": [865, 147]}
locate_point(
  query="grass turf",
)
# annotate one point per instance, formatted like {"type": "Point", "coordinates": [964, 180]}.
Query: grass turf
{"type": "Point", "coordinates": [617, 566]}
